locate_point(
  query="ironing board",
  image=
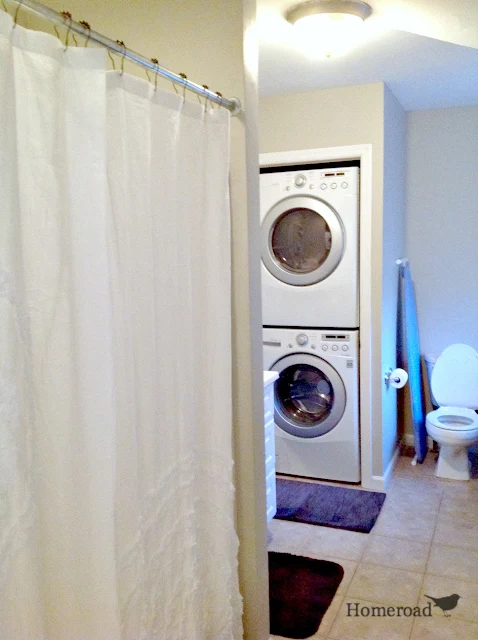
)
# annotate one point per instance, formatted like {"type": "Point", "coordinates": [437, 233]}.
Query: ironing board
{"type": "Point", "coordinates": [408, 345]}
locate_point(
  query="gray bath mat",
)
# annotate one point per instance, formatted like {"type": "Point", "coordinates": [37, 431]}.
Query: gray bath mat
{"type": "Point", "coordinates": [328, 506]}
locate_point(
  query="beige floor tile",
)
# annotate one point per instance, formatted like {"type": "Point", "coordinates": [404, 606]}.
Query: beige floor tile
{"type": "Point", "coordinates": [397, 553]}
{"type": "Point", "coordinates": [441, 628]}
{"type": "Point", "coordinates": [456, 532]}
{"type": "Point", "coordinates": [439, 587]}
{"type": "Point", "coordinates": [423, 502]}
{"type": "Point", "coordinates": [419, 485]}
{"type": "Point", "coordinates": [456, 489]}
{"type": "Point", "coordinates": [427, 468]}
{"type": "Point", "coordinates": [394, 524]}
{"type": "Point", "coordinates": [460, 507]}
{"type": "Point", "coordinates": [383, 584]}
{"type": "Point", "coordinates": [410, 507]}
{"type": "Point", "coordinates": [347, 627]}
{"type": "Point", "coordinates": [328, 620]}
{"type": "Point", "coordinates": [287, 537]}
{"type": "Point", "coordinates": [453, 562]}
{"type": "Point", "coordinates": [336, 543]}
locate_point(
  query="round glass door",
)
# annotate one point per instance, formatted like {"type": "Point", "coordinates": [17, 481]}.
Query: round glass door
{"type": "Point", "coordinates": [302, 240]}
{"type": "Point", "coordinates": [309, 396]}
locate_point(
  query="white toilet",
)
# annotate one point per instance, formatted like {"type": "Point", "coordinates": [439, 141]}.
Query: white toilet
{"type": "Point", "coordinates": [454, 384]}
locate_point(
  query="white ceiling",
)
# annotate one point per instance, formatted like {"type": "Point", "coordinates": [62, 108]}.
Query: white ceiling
{"type": "Point", "coordinates": [423, 72]}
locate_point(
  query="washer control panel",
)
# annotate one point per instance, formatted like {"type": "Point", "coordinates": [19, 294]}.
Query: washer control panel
{"type": "Point", "coordinates": [333, 343]}
{"type": "Point", "coordinates": [321, 181]}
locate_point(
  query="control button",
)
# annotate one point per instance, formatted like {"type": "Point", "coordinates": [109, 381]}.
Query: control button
{"type": "Point", "coordinates": [333, 185]}
{"type": "Point", "coordinates": [345, 347]}
{"type": "Point", "coordinates": [323, 186]}
{"type": "Point", "coordinates": [311, 186]}
{"type": "Point", "coordinates": [313, 346]}
{"type": "Point", "coordinates": [300, 181]}
{"type": "Point", "coordinates": [324, 347]}
{"type": "Point", "coordinates": [335, 347]}
{"type": "Point", "coordinates": [345, 185]}
{"type": "Point", "coordinates": [287, 188]}
{"type": "Point", "coordinates": [290, 345]}
{"type": "Point", "coordinates": [302, 339]}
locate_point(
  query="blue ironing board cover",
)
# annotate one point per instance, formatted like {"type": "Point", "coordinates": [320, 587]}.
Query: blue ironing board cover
{"type": "Point", "coordinates": [412, 343]}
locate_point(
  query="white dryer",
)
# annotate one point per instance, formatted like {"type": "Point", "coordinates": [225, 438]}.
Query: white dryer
{"type": "Point", "coordinates": [310, 231]}
{"type": "Point", "coordinates": [315, 402]}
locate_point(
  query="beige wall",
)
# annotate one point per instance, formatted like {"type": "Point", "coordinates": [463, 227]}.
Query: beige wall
{"type": "Point", "coordinates": [329, 118]}
{"type": "Point", "coordinates": [205, 41]}
{"type": "Point", "coordinates": [394, 196]}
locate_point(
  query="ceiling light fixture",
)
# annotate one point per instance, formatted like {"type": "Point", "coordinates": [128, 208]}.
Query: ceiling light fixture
{"type": "Point", "coordinates": [329, 28]}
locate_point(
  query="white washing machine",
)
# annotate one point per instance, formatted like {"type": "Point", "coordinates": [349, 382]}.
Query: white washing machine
{"type": "Point", "coordinates": [315, 402]}
{"type": "Point", "coordinates": [310, 232]}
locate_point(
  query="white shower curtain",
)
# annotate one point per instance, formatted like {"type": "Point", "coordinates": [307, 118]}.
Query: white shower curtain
{"type": "Point", "coordinates": [116, 494]}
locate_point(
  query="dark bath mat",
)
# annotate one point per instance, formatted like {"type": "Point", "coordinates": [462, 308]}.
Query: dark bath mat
{"type": "Point", "coordinates": [300, 592]}
{"type": "Point", "coordinates": [329, 506]}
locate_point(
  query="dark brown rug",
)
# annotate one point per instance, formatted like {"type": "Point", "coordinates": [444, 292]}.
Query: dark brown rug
{"type": "Point", "coordinates": [300, 592]}
{"type": "Point", "coordinates": [328, 506]}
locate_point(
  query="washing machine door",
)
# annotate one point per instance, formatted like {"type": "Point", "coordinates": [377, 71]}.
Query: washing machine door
{"type": "Point", "coordinates": [309, 396]}
{"type": "Point", "coordinates": [303, 240]}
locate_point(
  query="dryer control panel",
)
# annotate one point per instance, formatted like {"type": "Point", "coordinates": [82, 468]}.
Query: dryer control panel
{"type": "Point", "coordinates": [320, 181]}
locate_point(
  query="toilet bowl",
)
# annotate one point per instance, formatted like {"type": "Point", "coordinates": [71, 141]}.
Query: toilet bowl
{"type": "Point", "coordinates": [454, 384]}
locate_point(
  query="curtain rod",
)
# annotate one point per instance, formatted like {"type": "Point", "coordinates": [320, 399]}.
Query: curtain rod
{"type": "Point", "coordinates": [82, 28]}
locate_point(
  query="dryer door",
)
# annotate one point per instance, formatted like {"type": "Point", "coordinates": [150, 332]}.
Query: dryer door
{"type": "Point", "coordinates": [303, 240]}
{"type": "Point", "coordinates": [309, 396]}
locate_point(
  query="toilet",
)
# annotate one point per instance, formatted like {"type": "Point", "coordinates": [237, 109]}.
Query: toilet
{"type": "Point", "coordinates": [454, 425]}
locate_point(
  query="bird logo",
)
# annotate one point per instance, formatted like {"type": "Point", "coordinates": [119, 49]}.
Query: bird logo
{"type": "Point", "coordinates": [445, 604]}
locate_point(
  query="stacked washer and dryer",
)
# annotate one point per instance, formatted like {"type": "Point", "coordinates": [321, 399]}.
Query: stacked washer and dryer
{"type": "Point", "coordinates": [310, 285]}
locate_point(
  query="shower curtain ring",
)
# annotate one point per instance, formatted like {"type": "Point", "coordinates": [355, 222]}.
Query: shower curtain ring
{"type": "Point", "coordinates": [219, 95]}
{"type": "Point", "coordinates": [67, 16]}
{"type": "Point", "coordinates": [205, 87]}
{"type": "Point", "coordinates": [112, 59]}
{"type": "Point", "coordinates": [15, 19]}
{"type": "Point", "coordinates": [185, 78]}
{"type": "Point", "coordinates": [86, 26]}
{"type": "Point", "coordinates": [122, 44]}
{"type": "Point", "coordinates": [156, 62]}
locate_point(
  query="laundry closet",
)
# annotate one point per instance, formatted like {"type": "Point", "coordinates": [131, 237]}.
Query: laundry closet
{"type": "Point", "coordinates": [330, 316]}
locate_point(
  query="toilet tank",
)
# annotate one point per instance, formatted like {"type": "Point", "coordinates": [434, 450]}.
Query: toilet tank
{"type": "Point", "coordinates": [430, 360]}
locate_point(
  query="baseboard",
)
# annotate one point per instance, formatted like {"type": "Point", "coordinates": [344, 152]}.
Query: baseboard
{"type": "Point", "coordinates": [387, 476]}
{"type": "Point", "coordinates": [380, 483]}
{"type": "Point", "coordinates": [409, 440]}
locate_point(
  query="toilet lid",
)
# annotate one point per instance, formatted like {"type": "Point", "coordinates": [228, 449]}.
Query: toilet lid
{"type": "Point", "coordinates": [454, 380]}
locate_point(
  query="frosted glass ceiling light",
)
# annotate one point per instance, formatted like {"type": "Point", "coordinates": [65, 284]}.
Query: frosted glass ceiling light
{"type": "Point", "coordinates": [327, 28]}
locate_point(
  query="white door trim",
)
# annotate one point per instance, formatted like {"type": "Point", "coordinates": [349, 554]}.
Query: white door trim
{"type": "Point", "coordinates": [369, 424]}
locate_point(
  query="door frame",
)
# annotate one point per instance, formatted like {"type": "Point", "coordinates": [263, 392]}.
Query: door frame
{"type": "Point", "coordinates": [370, 424]}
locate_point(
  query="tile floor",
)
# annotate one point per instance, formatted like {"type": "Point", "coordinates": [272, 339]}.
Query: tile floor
{"type": "Point", "coordinates": [425, 541]}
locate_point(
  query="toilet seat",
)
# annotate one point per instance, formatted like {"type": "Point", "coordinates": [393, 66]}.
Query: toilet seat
{"type": "Point", "coordinates": [455, 419]}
